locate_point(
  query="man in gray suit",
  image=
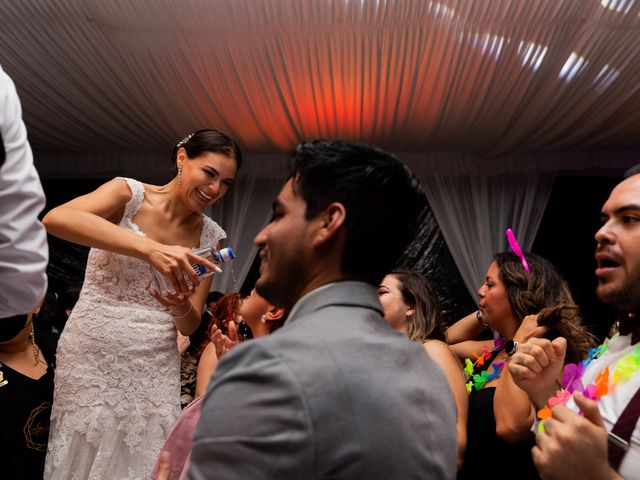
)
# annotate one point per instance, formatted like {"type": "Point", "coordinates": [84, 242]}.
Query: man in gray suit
{"type": "Point", "coordinates": [335, 393]}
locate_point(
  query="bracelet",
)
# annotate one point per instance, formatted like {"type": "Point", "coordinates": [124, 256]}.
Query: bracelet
{"type": "Point", "coordinates": [184, 314]}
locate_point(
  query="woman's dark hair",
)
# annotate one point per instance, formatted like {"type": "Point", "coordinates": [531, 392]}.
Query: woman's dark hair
{"type": "Point", "coordinates": [426, 322]}
{"type": "Point", "coordinates": [208, 140]}
{"type": "Point", "coordinates": [544, 292]}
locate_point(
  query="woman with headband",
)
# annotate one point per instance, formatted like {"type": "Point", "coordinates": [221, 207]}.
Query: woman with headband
{"type": "Point", "coordinates": [521, 297]}
{"type": "Point", "coordinates": [117, 384]}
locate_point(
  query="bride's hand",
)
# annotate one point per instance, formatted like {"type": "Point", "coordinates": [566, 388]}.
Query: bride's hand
{"type": "Point", "coordinates": [170, 299]}
{"type": "Point", "coordinates": [174, 262]}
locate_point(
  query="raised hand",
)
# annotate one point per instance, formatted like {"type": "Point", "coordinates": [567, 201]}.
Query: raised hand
{"type": "Point", "coordinates": [573, 446]}
{"type": "Point", "coordinates": [223, 343]}
{"type": "Point", "coordinates": [164, 466]}
{"type": "Point", "coordinates": [529, 328]}
{"type": "Point", "coordinates": [536, 366]}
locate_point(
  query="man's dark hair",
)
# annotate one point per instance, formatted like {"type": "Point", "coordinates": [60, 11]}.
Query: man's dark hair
{"type": "Point", "coordinates": [382, 197]}
{"type": "Point", "coordinates": [630, 172]}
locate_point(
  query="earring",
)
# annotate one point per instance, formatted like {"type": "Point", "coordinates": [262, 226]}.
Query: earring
{"type": "Point", "coordinates": [263, 319]}
{"type": "Point", "coordinates": [179, 176]}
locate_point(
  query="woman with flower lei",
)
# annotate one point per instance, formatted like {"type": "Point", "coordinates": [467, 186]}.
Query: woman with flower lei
{"type": "Point", "coordinates": [516, 289]}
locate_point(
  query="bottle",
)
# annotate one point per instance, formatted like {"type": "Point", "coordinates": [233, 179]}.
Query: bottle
{"type": "Point", "coordinates": [210, 253]}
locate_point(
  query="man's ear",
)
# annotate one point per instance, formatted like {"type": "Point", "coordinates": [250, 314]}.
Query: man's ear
{"type": "Point", "coordinates": [274, 313]}
{"type": "Point", "coordinates": [330, 222]}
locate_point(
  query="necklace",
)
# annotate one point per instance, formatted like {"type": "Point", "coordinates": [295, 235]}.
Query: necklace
{"type": "Point", "coordinates": [602, 384]}
{"type": "Point", "coordinates": [36, 349]}
{"type": "Point", "coordinates": [479, 380]}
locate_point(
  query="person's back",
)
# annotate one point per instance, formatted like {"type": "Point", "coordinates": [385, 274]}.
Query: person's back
{"type": "Point", "coordinates": [345, 399]}
{"type": "Point", "coordinates": [24, 252]}
{"type": "Point", "coordinates": [335, 393]}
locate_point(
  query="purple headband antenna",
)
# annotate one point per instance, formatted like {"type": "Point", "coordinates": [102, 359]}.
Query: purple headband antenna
{"type": "Point", "coordinates": [513, 243]}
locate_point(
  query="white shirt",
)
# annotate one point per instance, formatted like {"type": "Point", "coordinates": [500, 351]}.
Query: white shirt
{"type": "Point", "coordinates": [24, 252]}
{"type": "Point", "coordinates": [612, 405]}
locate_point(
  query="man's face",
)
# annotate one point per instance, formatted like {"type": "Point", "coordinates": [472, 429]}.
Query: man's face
{"type": "Point", "coordinates": [618, 247]}
{"type": "Point", "coordinates": [284, 244]}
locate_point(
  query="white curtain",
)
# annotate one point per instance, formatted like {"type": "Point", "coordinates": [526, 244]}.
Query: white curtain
{"type": "Point", "coordinates": [242, 213]}
{"type": "Point", "coordinates": [473, 213]}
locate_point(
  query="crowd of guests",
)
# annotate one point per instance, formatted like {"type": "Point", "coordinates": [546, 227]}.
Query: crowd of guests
{"type": "Point", "coordinates": [338, 364]}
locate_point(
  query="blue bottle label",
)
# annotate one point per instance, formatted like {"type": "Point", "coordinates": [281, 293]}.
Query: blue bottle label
{"type": "Point", "coordinates": [200, 270]}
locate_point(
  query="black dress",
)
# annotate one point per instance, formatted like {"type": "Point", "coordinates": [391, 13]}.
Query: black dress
{"type": "Point", "coordinates": [25, 406]}
{"type": "Point", "coordinates": [487, 455]}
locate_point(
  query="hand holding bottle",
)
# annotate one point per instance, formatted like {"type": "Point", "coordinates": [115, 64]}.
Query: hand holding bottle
{"type": "Point", "coordinates": [183, 275]}
{"type": "Point", "coordinates": [174, 264]}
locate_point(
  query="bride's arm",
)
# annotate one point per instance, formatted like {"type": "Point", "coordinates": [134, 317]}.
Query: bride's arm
{"type": "Point", "coordinates": [91, 220]}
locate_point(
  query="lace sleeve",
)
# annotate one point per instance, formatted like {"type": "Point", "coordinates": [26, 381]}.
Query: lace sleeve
{"type": "Point", "coordinates": [137, 195]}
{"type": "Point", "coordinates": [212, 233]}
{"type": "Point", "coordinates": [133, 205]}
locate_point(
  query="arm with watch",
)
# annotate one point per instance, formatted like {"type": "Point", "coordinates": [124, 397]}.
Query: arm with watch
{"type": "Point", "coordinates": [511, 405]}
{"type": "Point", "coordinates": [461, 336]}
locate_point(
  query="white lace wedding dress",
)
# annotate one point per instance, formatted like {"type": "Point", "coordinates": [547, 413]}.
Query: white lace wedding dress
{"type": "Point", "coordinates": [117, 382]}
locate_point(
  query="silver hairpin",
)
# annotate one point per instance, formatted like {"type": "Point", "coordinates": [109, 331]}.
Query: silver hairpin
{"type": "Point", "coordinates": [185, 140]}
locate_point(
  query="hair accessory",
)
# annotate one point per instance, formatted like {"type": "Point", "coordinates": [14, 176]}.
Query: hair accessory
{"type": "Point", "coordinates": [185, 140]}
{"type": "Point", "coordinates": [513, 243]}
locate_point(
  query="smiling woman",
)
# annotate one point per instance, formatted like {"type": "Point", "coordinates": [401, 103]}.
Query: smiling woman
{"type": "Point", "coordinates": [121, 330]}
{"type": "Point", "coordinates": [207, 169]}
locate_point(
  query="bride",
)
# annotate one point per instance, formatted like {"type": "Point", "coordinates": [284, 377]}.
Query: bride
{"type": "Point", "coordinates": [117, 384]}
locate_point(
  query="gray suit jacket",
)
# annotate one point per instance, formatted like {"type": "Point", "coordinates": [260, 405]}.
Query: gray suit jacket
{"type": "Point", "coordinates": [335, 393]}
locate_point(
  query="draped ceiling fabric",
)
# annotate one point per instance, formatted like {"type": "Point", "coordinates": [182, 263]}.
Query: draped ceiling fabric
{"type": "Point", "coordinates": [108, 86]}
{"type": "Point", "coordinates": [474, 211]}
{"type": "Point", "coordinates": [489, 77]}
